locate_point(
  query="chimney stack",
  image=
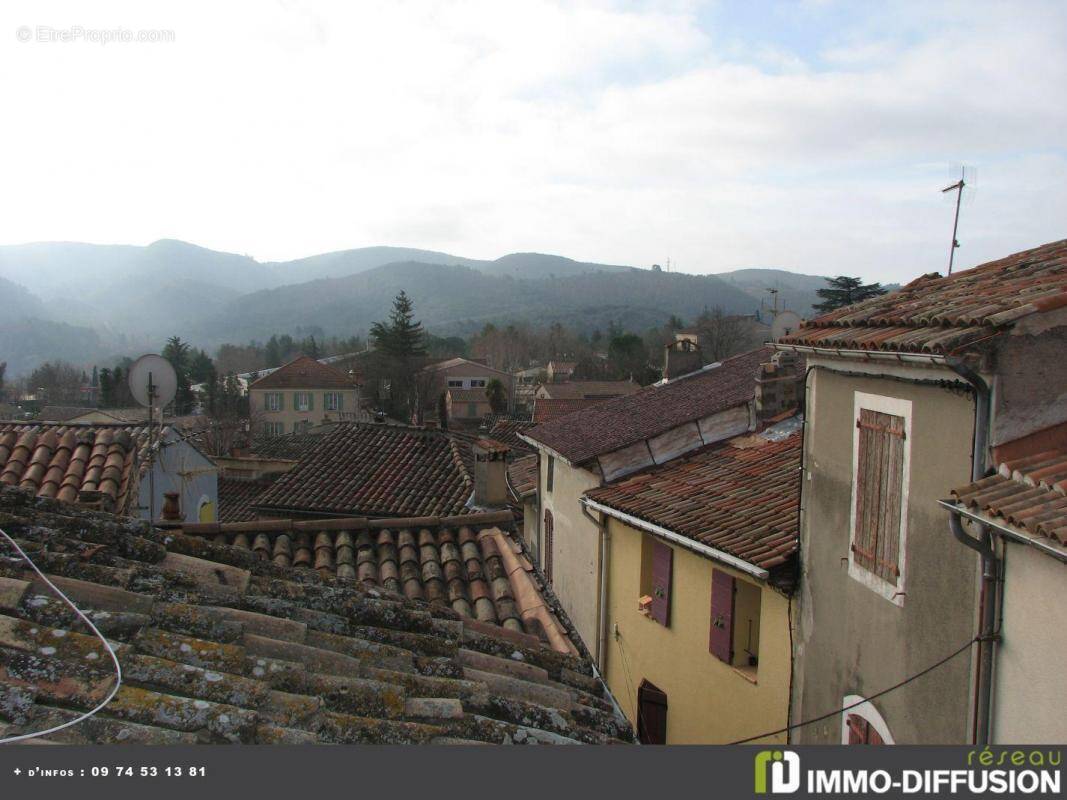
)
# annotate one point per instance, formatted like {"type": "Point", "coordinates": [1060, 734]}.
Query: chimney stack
{"type": "Point", "coordinates": [681, 357]}
{"type": "Point", "coordinates": [490, 473]}
{"type": "Point", "coordinates": [777, 385]}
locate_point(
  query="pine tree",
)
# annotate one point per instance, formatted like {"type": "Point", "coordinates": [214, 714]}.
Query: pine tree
{"type": "Point", "coordinates": [844, 291]}
{"type": "Point", "coordinates": [400, 337]}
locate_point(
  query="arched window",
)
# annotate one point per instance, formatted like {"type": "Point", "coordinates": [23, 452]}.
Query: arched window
{"type": "Point", "coordinates": [863, 724]}
{"type": "Point", "coordinates": [548, 544]}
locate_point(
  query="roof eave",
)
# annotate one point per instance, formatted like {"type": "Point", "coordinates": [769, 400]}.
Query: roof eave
{"type": "Point", "coordinates": [1007, 531]}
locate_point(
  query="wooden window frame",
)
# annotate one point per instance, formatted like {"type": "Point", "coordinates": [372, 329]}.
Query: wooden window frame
{"type": "Point", "coordinates": [650, 694]}
{"type": "Point", "coordinates": [866, 712]}
{"type": "Point", "coordinates": [894, 592]}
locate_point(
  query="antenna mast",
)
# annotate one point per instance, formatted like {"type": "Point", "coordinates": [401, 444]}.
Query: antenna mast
{"type": "Point", "coordinates": [958, 188]}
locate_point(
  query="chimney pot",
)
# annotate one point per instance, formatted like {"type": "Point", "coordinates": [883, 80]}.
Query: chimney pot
{"type": "Point", "coordinates": [490, 473]}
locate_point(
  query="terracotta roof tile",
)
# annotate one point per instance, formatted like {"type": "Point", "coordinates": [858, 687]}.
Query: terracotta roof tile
{"type": "Point", "coordinates": [935, 314]}
{"type": "Point", "coordinates": [740, 496]}
{"type": "Point", "coordinates": [589, 390]}
{"type": "Point", "coordinates": [1027, 493]}
{"type": "Point", "coordinates": [368, 469]}
{"type": "Point", "coordinates": [523, 476]}
{"type": "Point", "coordinates": [507, 431]}
{"type": "Point", "coordinates": [547, 409]}
{"type": "Point", "coordinates": [95, 465]}
{"type": "Point", "coordinates": [304, 373]}
{"type": "Point", "coordinates": [221, 643]}
{"type": "Point", "coordinates": [237, 497]}
{"type": "Point", "coordinates": [622, 421]}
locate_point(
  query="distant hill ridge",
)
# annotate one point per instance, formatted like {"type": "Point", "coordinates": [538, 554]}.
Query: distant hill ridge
{"type": "Point", "coordinates": [127, 293]}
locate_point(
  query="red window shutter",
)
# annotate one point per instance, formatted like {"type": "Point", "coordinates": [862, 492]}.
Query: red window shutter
{"type": "Point", "coordinates": [860, 731]}
{"type": "Point", "coordinates": [662, 564]}
{"type": "Point", "coordinates": [721, 638]}
{"type": "Point", "coordinates": [549, 524]}
{"type": "Point", "coordinates": [651, 714]}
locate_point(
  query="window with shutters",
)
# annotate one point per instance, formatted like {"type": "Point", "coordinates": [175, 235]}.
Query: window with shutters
{"type": "Point", "coordinates": [657, 566]}
{"type": "Point", "coordinates": [862, 724]}
{"type": "Point", "coordinates": [550, 472]}
{"type": "Point", "coordinates": [651, 714]}
{"type": "Point", "coordinates": [879, 493]}
{"type": "Point", "coordinates": [302, 401]}
{"type": "Point", "coordinates": [734, 634]}
{"type": "Point", "coordinates": [333, 401]}
{"type": "Point", "coordinates": [549, 523]}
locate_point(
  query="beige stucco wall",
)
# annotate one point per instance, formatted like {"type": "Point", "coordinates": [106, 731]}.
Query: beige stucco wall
{"type": "Point", "coordinates": [289, 416]}
{"type": "Point", "coordinates": [852, 640]}
{"type": "Point", "coordinates": [708, 701]}
{"type": "Point", "coordinates": [1028, 701]}
{"type": "Point", "coordinates": [576, 545]}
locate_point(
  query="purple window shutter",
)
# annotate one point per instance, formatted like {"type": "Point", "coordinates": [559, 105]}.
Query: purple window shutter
{"type": "Point", "coordinates": [662, 563]}
{"type": "Point", "coordinates": [721, 639]}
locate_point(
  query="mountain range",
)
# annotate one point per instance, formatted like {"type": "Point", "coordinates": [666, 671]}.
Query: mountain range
{"type": "Point", "coordinates": [89, 302]}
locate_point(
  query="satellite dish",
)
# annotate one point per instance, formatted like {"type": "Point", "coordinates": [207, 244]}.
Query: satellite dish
{"type": "Point", "coordinates": [785, 323]}
{"type": "Point", "coordinates": [157, 372]}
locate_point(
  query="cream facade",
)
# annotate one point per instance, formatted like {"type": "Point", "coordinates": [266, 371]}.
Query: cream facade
{"type": "Point", "coordinates": [708, 700]}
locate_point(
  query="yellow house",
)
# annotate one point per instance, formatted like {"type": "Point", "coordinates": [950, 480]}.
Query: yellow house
{"type": "Point", "coordinates": [302, 394]}
{"type": "Point", "coordinates": [700, 562]}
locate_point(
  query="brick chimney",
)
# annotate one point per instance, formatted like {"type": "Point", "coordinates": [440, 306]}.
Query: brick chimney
{"type": "Point", "coordinates": [681, 357]}
{"type": "Point", "coordinates": [490, 473]}
{"type": "Point", "coordinates": [778, 385]}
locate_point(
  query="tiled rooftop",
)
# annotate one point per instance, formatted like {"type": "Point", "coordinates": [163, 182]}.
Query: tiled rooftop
{"type": "Point", "coordinates": [289, 446]}
{"type": "Point", "coordinates": [237, 497]}
{"type": "Point", "coordinates": [364, 469]}
{"type": "Point", "coordinates": [62, 413]}
{"type": "Point", "coordinates": [507, 431]}
{"type": "Point", "coordinates": [740, 496]}
{"type": "Point", "coordinates": [935, 314]}
{"type": "Point", "coordinates": [304, 373]}
{"type": "Point", "coordinates": [589, 390]}
{"type": "Point", "coordinates": [95, 465]}
{"type": "Point", "coordinates": [223, 644]}
{"type": "Point", "coordinates": [523, 476]}
{"type": "Point", "coordinates": [622, 421]}
{"type": "Point", "coordinates": [547, 410]}
{"type": "Point", "coordinates": [1028, 493]}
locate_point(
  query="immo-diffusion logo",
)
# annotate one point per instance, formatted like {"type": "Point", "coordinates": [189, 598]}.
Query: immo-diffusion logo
{"type": "Point", "coordinates": [784, 770]}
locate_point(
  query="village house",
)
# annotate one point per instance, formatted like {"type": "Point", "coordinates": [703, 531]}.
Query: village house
{"type": "Point", "coordinates": [434, 630]}
{"type": "Point", "coordinates": [910, 395]}
{"type": "Point", "coordinates": [618, 437]}
{"type": "Point", "coordinates": [463, 374]}
{"type": "Point", "coordinates": [302, 394]}
{"type": "Point", "coordinates": [560, 371]}
{"type": "Point", "coordinates": [526, 382]}
{"type": "Point", "coordinates": [466, 406]}
{"type": "Point", "coordinates": [110, 467]}
{"type": "Point", "coordinates": [699, 556]}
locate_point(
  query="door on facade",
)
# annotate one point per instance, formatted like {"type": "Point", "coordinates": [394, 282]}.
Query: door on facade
{"type": "Point", "coordinates": [860, 731]}
{"type": "Point", "coordinates": [651, 714]}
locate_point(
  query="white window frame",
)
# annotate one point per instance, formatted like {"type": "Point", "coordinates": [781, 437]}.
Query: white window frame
{"type": "Point", "coordinates": [272, 401]}
{"type": "Point", "coordinates": [478, 383]}
{"type": "Point", "coordinates": [899, 407]}
{"type": "Point", "coordinates": [455, 383]}
{"type": "Point", "coordinates": [275, 428]}
{"type": "Point", "coordinates": [331, 401]}
{"type": "Point", "coordinates": [867, 711]}
{"type": "Point", "coordinates": [306, 397]}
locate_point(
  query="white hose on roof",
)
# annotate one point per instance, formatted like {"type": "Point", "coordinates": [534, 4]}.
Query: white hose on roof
{"type": "Point", "coordinates": [87, 621]}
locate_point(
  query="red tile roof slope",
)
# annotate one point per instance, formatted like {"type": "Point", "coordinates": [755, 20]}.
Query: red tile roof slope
{"type": "Point", "coordinates": [589, 390]}
{"type": "Point", "coordinates": [226, 644]}
{"type": "Point", "coordinates": [289, 446]}
{"type": "Point", "coordinates": [523, 476]}
{"type": "Point", "coordinates": [507, 431]}
{"type": "Point", "coordinates": [90, 464]}
{"type": "Point", "coordinates": [1028, 493]}
{"type": "Point", "coordinates": [304, 372]}
{"type": "Point", "coordinates": [622, 421]}
{"type": "Point", "coordinates": [237, 496]}
{"type": "Point", "coordinates": [740, 496]}
{"type": "Point", "coordinates": [935, 314]}
{"type": "Point", "coordinates": [546, 410]}
{"type": "Point", "coordinates": [364, 469]}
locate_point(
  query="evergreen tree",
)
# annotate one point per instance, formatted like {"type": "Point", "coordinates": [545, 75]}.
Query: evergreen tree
{"type": "Point", "coordinates": [177, 353]}
{"type": "Point", "coordinates": [497, 396]}
{"type": "Point", "coordinates": [844, 291]}
{"type": "Point", "coordinates": [401, 336]}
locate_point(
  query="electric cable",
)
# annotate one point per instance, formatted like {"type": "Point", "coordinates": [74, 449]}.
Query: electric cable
{"type": "Point", "coordinates": [875, 696]}
{"type": "Point", "coordinates": [95, 630]}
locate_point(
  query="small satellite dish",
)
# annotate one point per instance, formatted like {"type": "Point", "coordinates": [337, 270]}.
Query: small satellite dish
{"type": "Point", "coordinates": [785, 322]}
{"type": "Point", "coordinates": [157, 372]}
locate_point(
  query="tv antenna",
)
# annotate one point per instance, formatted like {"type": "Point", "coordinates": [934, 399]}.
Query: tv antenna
{"type": "Point", "coordinates": [153, 383]}
{"type": "Point", "coordinates": [966, 179]}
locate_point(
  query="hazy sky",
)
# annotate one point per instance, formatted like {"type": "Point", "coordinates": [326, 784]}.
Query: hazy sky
{"type": "Point", "coordinates": [810, 135]}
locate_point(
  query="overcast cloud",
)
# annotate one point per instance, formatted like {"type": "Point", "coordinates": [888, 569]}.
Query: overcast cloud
{"type": "Point", "coordinates": [813, 136]}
